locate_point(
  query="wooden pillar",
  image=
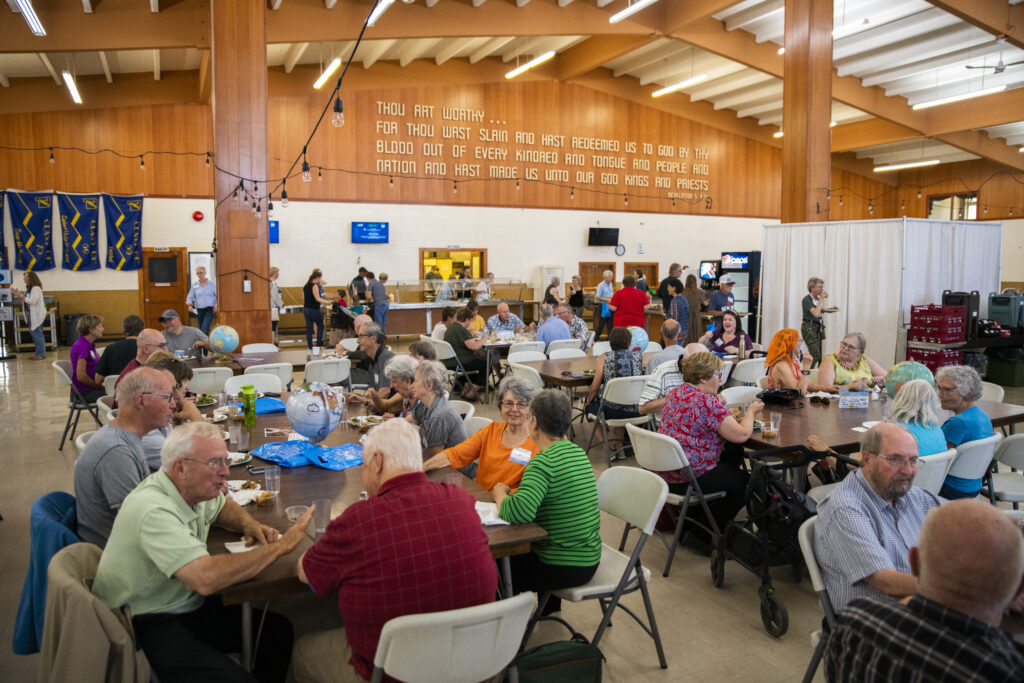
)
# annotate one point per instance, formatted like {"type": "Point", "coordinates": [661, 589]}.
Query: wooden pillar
{"type": "Point", "coordinates": [239, 61]}
{"type": "Point", "coordinates": [807, 111]}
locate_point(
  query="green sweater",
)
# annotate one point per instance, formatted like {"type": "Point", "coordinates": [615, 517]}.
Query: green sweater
{"type": "Point", "coordinates": [559, 493]}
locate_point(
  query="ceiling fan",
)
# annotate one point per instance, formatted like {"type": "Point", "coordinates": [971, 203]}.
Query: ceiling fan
{"type": "Point", "coordinates": [1000, 66]}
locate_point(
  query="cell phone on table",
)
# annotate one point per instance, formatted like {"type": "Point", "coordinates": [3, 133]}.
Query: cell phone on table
{"type": "Point", "coordinates": [256, 470]}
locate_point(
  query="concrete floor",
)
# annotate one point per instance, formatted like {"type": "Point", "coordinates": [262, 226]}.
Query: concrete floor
{"type": "Point", "coordinates": [709, 634]}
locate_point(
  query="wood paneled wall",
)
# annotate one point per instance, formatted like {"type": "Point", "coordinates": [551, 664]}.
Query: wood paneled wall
{"type": "Point", "coordinates": [998, 188]}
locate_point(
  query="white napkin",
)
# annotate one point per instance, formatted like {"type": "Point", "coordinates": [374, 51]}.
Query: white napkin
{"type": "Point", "coordinates": [820, 394]}
{"type": "Point", "coordinates": [871, 423]}
{"type": "Point", "coordinates": [489, 514]}
{"type": "Point", "coordinates": [240, 495]}
{"type": "Point", "coordinates": [240, 546]}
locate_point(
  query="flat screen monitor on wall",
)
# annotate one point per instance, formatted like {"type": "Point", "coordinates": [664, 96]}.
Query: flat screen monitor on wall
{"type": "Point", "coordinates": [369, 233]}
{"type": "Point", "coordinates": [603, 237]}
{"type": "Point", "coordinates": [709, 270]}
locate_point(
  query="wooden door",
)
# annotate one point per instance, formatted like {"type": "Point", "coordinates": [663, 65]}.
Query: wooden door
{"type": "Point", "coordinates": [649, 269]}
{"type": "Point", "coordinates": [163, 283]}
{"type": "Point", "coordinates": [591, 273]}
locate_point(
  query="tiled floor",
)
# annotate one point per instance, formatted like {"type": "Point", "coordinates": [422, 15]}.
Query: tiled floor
{"type": "Point", "coordinates": [709, 634]}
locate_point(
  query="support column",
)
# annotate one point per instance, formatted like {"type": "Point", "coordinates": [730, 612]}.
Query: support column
{"type": "Point", "coordinates": [239, 65]}
{"type": "Point", "coordinates": [807, 111]}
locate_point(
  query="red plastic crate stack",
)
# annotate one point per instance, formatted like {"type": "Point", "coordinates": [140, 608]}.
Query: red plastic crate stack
{"type": "Point", "coordinates": [938, 324]}
{"type": "Point", "coordinates": [934, 359]}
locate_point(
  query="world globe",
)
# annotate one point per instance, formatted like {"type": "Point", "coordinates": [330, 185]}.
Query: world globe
{"type": "Point", "coordinates": [314, 410]}
{"type": "Point", "coordinates": [224, 339]}
{"type": "Point", "coordinates": [639, 339]}
{"type": "Point", "coordinates": [901, 373]}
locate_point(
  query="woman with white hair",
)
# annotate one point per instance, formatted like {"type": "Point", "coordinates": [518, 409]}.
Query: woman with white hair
{"type": "Point", "coordinates": [916, 407]}
{"type": "Point", "coordinates": [959, 387]}
{"type": "Point", "coordinates": [440, 425]}
{"type": "Point", "coordinates": [401, 372]}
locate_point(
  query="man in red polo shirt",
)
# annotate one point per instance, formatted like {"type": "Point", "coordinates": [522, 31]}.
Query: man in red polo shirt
{"type": "Point", "coordinates": [414, 547]}
{"type": "Point", "coordinates": [628, 304]}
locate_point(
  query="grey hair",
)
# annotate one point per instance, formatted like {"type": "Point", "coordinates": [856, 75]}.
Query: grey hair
{"type": "Point", "coordinates": [871, 442]}
{"type": "Point", "coordinates": [434, 375]}
{"type": "Point", "coordinates": [553, 412]}
{"type": "Point", "coordinates": [398, 443]}
{"type": "Point", "coordinates": [139, 381]}
{"type": "Point", "coordinates": [520, 388]}
{"type": "Point", "coordinates": [607, 272]}
{"type": "Point", "coordinates": [375, 330]}
{"type": "Point", "coordinates": [862, 341]}
{"type": "Point", "coordinates": [966, 379]}
{"type": "Point", "coordinates": [917, 402]}
{"type": "Point", "coordinates": [670, 329]}
{"type": "Point", "coordinates": [401, 367]}
{"type": "Point", "coordinates": [181, 442]}
{"type": "Point", "coordinates": [546, 311]}
{"type": "Point", "coordinates": [814, 282]}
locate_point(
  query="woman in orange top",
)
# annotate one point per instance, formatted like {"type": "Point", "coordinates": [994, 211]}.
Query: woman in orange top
{"type": "Point", "coordinates": [502, 449]}
{"type": "Point", "coordinates": [783, 362]}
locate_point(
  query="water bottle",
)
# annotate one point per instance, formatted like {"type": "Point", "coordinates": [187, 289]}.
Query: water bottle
{"type": "Point", "coordinates": [249, 406]}
{"type": "Point", "coordinates": [743, 347]}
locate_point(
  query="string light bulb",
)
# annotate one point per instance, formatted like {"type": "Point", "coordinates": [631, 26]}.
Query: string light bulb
{"type": "Point", "coordinates": [270, 206]}
{"type": "Point", "coordinates": [517, 183]}
{"type": "Point", "coordinates": [455, 187]}
{"type": "Point", "coordinates": [840, 200]}
{"type": "Point", "coordinates": [142, 162]}
{"type": "Point", "coordinates": [255, 209]}
{"type": "Point", "coordinates": [52, 160]}
{"type": "Point", "coordinates": [338, 118]}
{"type": "Point", "coordinates": [572, 193]}
{"type": "Point", "coordinates": [391, 181]}
{"type": "Point", "coordinates": [918, 192]}
{"type": "Point", "coordinates": [986, 208]}
{"type": "Point", "coordinates": [1011, 210]}
{"type": "Point", "coordinates": [208, 155]}
{"type": "Point", "coordinates": [871, 207]}
{"type": "Point", "coordinates": [258, 208]}
{"type": "Point", "coordinates": [625, 199]}
{"type": "Point", "coordinates": [284, 196]}
{"type": "Point", "coordinates": [903, 205]}
{"type": "Point", "coordinates": [319, 174]}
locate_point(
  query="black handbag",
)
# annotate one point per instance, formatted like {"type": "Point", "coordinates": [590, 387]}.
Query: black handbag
{"type": "Point", "coordinates": [565, 661]}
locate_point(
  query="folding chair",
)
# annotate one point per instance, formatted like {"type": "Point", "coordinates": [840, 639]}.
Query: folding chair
{"type": "Point", "coordinates": [76, 402]}
{"type": "Point", "coordinates": [623, 391]}
{"type": "Point", "coordinates": [519, 347]}
{"type": "Point", "coordinates": [445, 352]}
{"type": "Point", "coordinates": [267, 384]}
{"type": "Point", "coordinates": [526, 356]}
{"type": "Point", "coordinates": [600, 348]}
{"type": "Point", "coordinates": [763, 382]}
{"type": "Point", "coordinates": [329, 371]}
{"type": "Point", "coordinates": [566, 353]}
{"type": "Point", "coordinates": [652, 347]}
{"type": "Point", "coordinates": [974, 459]}
{"type": "Point", "coordinates": [474, 424]}
{"type": "Point", "coordinates": [634, 496]}
{"type": "Point", "coordinates": [527, 373]}
{"type": "Point", "coordinates": [282, 370]}
{"type": "Point", "coordinates": [105, 404]}
{"type": "Point", "coordinates": [82, 439]}
{"type": "Point", "coordinates": [727, 366]}
{"type": "Point", "coordinates": [463, 409]}
{"type": "Point", "coordinates": [660, 453]}
{"type": "Point", "coordinates": [572, 344]}
{"type": "Point", "coordinates": [818, 639]}
{"type": "Point", "coordinates": [458, 646]}
{"type": "Point", "coordinates": [259, 348]}
{"type": "Point", "coordinates": [108, 384]}
{"type": "Point", "coordinates": [747, 371]}
{"type": "Point", "coordinates": [992, 392]}
{"type": "Point", "coordinates": [350, 344]}
{"type": "Point", "coordinates": [209, 380]}
{"type": "Point", "coordinates": [932, 470]}
{"type": "Point", "coordinates": [1009, 486]}
{"type": "Point", "coordinates": [740, 395]}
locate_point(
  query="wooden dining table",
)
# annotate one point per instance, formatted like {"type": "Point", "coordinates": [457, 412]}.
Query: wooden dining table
{"type": "Point", "coordinates": [240, 361]}
{"type": "Point", "coordinates": [303, 485]}
{"type": "Point", "coordinates": [569, 373]}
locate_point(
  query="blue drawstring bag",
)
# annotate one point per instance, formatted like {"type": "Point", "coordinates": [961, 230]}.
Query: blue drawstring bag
{"type": "Point", "coordinates": [269, 405]}
{"type": "Point", "coordinates": [337, 458]}
{"type": "Point", "coordinates": [285, 453]}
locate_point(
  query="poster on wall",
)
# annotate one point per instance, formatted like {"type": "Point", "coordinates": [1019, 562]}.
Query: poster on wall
{"type": "Point", "coordinates": [123, 216]}
{"type": "Point", "coordinates": [79, 230]}
{"type": "Point", "coordinates": [3, 245]}
{"type": "Point", "coordinates": [32, 217]}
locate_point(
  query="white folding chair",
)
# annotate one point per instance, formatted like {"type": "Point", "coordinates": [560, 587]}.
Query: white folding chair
{"type": "Point", "coordinates": [932, 470]}
{"type": "Point", "coordinates": [727, 366]}
{"type": "Point", "coordinates": [974, 459]}
{"type": "Point", "coordinates": [209, 380]}
{"type": "Point", "coordinates": [329, 371]}
{"type": "Point", "coordinates": [105, 404]}
{"type": "Point", "coordinates": [820, 493]}
{"type": "Point", "coordinates": [83, 439]}
{"type": "Point", "coordinates": [474, 424]}
{"type": "Point", "coordinates": [106, 419]}
{"type": "Point", "coordinates": [660, 453]}
{"type": "Point", "coordinates": [108, 384]}
{"type": "Point", "coordinates": [463, 409]}
{"type": "Point", "coordinates": [520, 347]}
{"type": "Point", "coordinates": [526, 356]}
{"type": "Point", "coordinates": [992, 392]}
{"type": "Point", "coordinates": [747, 371]}
{"type": "Point", "coordinates": [350, 344]}
{"type": "Point", "coordinates": [566, 353]}
{"type": "Point", "coordinates": [282, 370]}
{"type": "Point", "coordinates": [762, 383]}
{"type": "Point", "coordinates": [652, 347]}
{"type": "Point", "coordinates": [1009, 486]}
{"type": "Point", "coordinates": [634, 496]}
{"type": "Point", "coordinates": [740, 395]}
{"type": "Point", "coordinates": [259, 348]}
{"type": "Point", "coordinates": [267, 384]}
{"type": "Point", "coordinates": [806, 537]}
{"type": "Point", "coordinates": [444, 352]}
{"type": "Point", "coordinates": [600, 348]}
{"type": "Point", "coordinates": [76, 401]}
{"type": "Point", "coordinates": [624, 391]}
{"type": "Point", "coordinates": [590, 341]}
{"type": "Point", "coordinates": [527, 373]}
{"type": "Point", "coordinates": [458, 646]}
{"type": "Point", "coordinates": [562, 344]}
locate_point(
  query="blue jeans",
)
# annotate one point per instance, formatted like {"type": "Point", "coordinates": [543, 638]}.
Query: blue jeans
{"type": "Point", "coordinates": [314, 317]}
{"type": "Point", "coordinates": [204, 317]}
{"type": "Point", "coordinates": [39, 340]}
{"type": "Point", "coordinates": [380, 315]}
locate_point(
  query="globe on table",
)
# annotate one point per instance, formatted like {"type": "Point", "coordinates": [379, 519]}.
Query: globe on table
{"type": "Point", "coordinates": [314, 410]}
{"type": "Point", "coordinates": [224, 339]}
{"type": "Point", "coordinates": [903, 372]}
{"type": "Point", "coordinates": [639, 339]}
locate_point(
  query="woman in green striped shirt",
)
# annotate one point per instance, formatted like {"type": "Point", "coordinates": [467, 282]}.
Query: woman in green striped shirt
{"type": "Point", "coordinates": [559, 493]}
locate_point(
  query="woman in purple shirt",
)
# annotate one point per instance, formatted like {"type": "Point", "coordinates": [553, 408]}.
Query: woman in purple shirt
{"type": "Point", "coordinates": [84, 358]}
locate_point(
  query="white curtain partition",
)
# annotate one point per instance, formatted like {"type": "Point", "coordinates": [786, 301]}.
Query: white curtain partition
{"type": "Point", "coordinates": [874, 271]}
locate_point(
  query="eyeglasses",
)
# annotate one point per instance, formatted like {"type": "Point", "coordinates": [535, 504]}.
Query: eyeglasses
{"type": "Point", "coordinates": [848, 347]}
{"type": "Point", "coordinates": [169, 397]}
{"type": "Point", "coordinates": [162, 345]}
{"type": "Point", "coordinates": [509, 405]}
{"type": "Point", "coordinates": [365, 335]}
{"type": "Point", "coordinates": [718, 374]}
{"type": "Point", "coordinates": [898, 462]}
{"type": "Point", "coordinates": [945, 390]}
{"type": "Point", "coordinates": [820, 399]}
{"type": "Point", "coordinates": [213, 463]}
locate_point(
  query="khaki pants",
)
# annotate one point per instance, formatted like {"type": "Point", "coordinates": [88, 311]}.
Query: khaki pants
{"type": "Point", "coordinates": [322, 657]}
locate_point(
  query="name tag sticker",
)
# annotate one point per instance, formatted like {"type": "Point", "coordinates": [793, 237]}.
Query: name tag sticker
{"type": "Point", "coordinates": [520, 456]}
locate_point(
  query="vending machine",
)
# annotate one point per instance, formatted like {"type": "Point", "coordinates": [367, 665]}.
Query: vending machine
{"type": "Point", "coordinates": [745, 268]}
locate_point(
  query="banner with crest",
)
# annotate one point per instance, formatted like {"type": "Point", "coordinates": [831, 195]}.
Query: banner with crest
{"type": "Point", "coordinates": [79, 225]}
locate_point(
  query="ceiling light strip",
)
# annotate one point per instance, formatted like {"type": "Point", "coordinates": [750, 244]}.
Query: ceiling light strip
{"type": "Point", "coordinates": [631, 10]}
{"type": "Point", "coordinates": [29, 12]}
{"type": "Point", "coordinates": [958, 98]}
{"type": "Point", "coordinates": [381, 8]}
{"type": "Point", "coordinates": [72, 87]}
{"type": "Point", "coordinates": [530, 64]}
{"type": "Point", "coordinates": [680, 85]}
{"type": "Point", "coordinates": [912, 164]}
{"type": "Point", "coordinates": [331, 68]}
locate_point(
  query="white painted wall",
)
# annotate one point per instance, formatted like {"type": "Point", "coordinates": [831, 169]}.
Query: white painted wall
{"type": "Point", "coordinates": [318, 234]}
{"type": "Point", "coordinates": [1013, 250]}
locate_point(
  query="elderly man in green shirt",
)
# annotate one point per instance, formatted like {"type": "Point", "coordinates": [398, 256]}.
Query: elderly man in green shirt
{"type": "Point", "coordinates": [156, 563]}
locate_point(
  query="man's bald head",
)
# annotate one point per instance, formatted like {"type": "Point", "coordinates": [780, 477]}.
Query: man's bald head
{"type": "Point", "coordinates": [670, 330]}
{"type": "Point", "coordinates": [693, 348]}
{"type": "Point", "coordinates": [503, 311]}
{"type": "Point", "coordinates": [970, 556]}
{"type": "Point", "coordinates": [148, 342]}
{"type": "Point", "coordinates": [361, 320]}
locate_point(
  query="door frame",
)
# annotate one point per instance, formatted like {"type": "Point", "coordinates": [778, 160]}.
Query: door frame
{"type": "Point", "coordinates": [482, 250]}
{"type": "Point", "coordinates": [649, 266]}
{"type": "Point", "coordinates": [614, 268]}
{"type": "Point", "coordinates": [182, 253]}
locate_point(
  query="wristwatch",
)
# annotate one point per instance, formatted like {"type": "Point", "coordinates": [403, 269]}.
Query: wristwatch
{"type": "Point", "coordinates": [805, 372]}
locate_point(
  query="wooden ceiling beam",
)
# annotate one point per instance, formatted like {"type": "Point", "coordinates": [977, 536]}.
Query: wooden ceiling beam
{"type": "Point", "coordinates": [998, 17]}
{"type": "Point", "coordinates": [591, 54]}
{"type": "Point", "coordinates": [978, 142]}
{"type": "Point", "coordinates": [869, 133]}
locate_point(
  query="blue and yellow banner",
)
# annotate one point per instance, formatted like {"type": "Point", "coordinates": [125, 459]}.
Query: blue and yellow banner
{"type": "Point", "coordinates": [32, 216]}
{"type": "Point", "coordinates": [79, 226]}
{"type": "Point", "coordinates": [124, 231]}
{"type": "Point", "coordinates": [3, 246]}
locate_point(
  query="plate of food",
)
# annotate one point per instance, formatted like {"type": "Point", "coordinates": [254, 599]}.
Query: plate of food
{"type": "Point", "coordinates": [365, 422]}
{"type": "Point", "coordinates": [589, 372]}
{"type": "Point", "coordinates": [239, 459]}
{"type": "Point", "coordinates": [243, 491]}
{"type": "Point", "coordinates": [238, 398]}
{"type": "Point", "coordinates": [205, 401]}
{"type": "Point", "coordinates": [216, 418]}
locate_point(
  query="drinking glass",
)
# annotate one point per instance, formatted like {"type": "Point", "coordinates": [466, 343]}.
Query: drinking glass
{"type": "Point", "coordinates": [272, 482]}
{"type": "Point", "coordinates": [322, 514]}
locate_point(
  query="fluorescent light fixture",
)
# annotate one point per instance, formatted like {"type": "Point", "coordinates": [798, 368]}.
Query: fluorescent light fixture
{"type": "Point", "coordinates": [381, 8]}
{"type": "Point", "coordinates": [778, 134]}
{"type": "Point", "coordinates": [72, 87]}
{"type": "Point", "coordinates": [912, 164]}
{"type": "Point", "coordinates": [832, 124]}
{"type": "Point", "coordinates": [680, 85]}
{"type": "Point", "coordinates": [530, 64]}
{"type": "Point", "coordinates": [631, 10]}
{"type": "Point", "coordinates": [29, 12]}
{"type": "Point", "coordinates": [331, 68]}
{"type": "Point", "coordinates": [957, 98]}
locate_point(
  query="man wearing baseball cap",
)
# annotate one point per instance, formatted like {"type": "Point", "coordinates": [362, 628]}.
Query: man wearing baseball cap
{"type": "Point", "coordinates": [722, 300]}
{"type": "Point", "coordinates": [182, 337]}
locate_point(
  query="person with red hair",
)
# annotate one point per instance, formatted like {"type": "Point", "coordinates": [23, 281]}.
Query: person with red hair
{"type": "Point", "coordinates": [785, 368]}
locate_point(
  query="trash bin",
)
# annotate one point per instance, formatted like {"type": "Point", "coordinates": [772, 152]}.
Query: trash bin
{"type": "Point", "coordinates": [71, 328]}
